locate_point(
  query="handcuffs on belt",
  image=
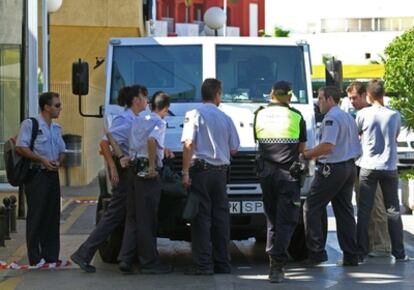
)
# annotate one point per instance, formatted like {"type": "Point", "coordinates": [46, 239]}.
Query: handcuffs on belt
{"type": "Point", "coordinates": [326, 170]}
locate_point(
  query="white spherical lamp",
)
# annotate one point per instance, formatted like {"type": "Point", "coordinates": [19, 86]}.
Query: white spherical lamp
{"type": "Point", "coordinates": [215, 18]}
{"type": "Point", "coordinates": [53, 5]}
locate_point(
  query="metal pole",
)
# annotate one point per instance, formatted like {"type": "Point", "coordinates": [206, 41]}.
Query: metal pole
{"type": "Point", "coordinates": [45, 45]}
{"type": "Point", "coordinates": [21, 210]}
{"type": "Point", "coordinates": [32, 58]}
{"type": "Point", "coordinates": [225, 14]}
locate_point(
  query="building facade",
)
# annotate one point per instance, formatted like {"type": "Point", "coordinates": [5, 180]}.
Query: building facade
{"type": "Point", "coordinates": [248, 15]}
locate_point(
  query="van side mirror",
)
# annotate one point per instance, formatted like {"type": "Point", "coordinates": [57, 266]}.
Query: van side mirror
{"type": "Point", "coordinates": [80, 85]}
{"type": "Point", "coordinates": [333, 73]}
{"type": "Point", "coordinates": [80, 78]}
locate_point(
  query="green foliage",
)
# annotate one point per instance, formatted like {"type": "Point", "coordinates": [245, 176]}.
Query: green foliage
{"type": "Point", "coordinates": [407, 174]}
{"type": "Point", "coordinates": [399, 75]}
{"type": "Point", "coordinates": [279, 32]}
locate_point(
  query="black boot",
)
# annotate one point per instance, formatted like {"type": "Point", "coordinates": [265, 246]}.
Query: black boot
{"type": "Point", "coordinates": [276, 273]}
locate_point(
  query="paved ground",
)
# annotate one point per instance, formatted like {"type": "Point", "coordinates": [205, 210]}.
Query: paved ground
{"type": "Point", "coordinates": [248, 257]}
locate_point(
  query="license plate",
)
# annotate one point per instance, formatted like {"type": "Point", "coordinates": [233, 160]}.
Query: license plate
{"type": "Point", "coordinates": [406, 155]}
{"type": "Point", "coordinates": [234, 207]}
{"type": "Point", "coordinates": [409, 155]}
{"type": "Point", "coordinates": [245, 207]}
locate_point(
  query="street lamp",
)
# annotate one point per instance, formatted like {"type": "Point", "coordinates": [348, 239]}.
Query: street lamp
{"type": "Point", "coordinates": [48, 6]}
{"type": "Point", "coordinates": [214, 18]}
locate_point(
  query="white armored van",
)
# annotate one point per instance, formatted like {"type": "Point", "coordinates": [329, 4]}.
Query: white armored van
{"type": "Point", "coordinates": [247, 68]}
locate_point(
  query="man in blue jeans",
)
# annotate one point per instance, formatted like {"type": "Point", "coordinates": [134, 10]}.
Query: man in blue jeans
{"type": "Point", "coordinates": [379, 127]}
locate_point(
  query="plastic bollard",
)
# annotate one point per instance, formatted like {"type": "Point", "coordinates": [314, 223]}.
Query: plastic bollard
{"type": "Point", "coordinates": [2, 225]}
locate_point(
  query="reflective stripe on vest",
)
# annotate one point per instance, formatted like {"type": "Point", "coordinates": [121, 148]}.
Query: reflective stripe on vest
{"type": "Point", "coordinates": [277, 124]}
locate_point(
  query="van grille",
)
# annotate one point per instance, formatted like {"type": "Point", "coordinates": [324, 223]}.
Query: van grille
{"type": "Point", "coordinates": [243, 168]}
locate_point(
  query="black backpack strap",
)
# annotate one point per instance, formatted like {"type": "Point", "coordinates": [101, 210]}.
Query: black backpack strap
{"type": "Point", "coordinates": [35, 130]}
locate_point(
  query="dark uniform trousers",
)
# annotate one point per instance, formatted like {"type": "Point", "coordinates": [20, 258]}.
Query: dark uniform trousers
{"type": "Point", "coordinates": [336, 188]}
{"type": "Point", "coordinates": [210, 229]}
{"type": "Point", "coordinates": [43, 216]}
{"type": "Point", "coordinates": [113, 217]}
{"type": "Point", "coordinates": [140, 234]}
{"type": "Point", "coordinates": [281, 200]}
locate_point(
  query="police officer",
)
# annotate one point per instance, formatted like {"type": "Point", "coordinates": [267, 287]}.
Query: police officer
{"type": "Point", "coordinates": [209, 138]}
{"type": "Point", "coordinates": [146, 152]}
{"type": "Point", "coordinates": [43, 188]}
{"type": "Point", "coordinates": [281, 133]}
{"type": "Point", "coordinates": [134, 99]}
{"type": "Point", "coordinates": [334, 180]}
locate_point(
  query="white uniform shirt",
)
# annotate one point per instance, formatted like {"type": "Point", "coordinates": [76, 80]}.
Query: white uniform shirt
{"type": "Point", "coordinates": [147, 125]}
{"type": "Point", "coordinates": [48, 143]}
{"type": "Point", "coordinates": [121, 129]}
{"type": "Point", "coordinates": [339, 129]}
{"type": "Point", "coordinates": [213, 134]}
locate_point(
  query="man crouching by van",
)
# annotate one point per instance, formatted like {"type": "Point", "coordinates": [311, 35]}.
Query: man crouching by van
{"type": "Point", "coordinates": [146, 152]}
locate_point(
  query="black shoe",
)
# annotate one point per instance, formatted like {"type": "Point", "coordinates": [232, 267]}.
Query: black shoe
{"type": "Point", "coordinates": [125, 267]}
{"type": "Point", "coordinates": [313, 262]}
{"type": "Point", "coordinates": [276, 275]}
{"type": "Point", "coordinates": [403, 259]}
{"type": "Point", "coordinates": [157, 269]}
{"type": "Point", "coordinates": [361, 260]}
{"type": "Point", "coordinates": [196, 271]}
{"type": "Point", "coordinates": [219, 269]}
{"type": "Point", "coordinates": [347, 262]}
{"type": "Point", "coordinates": [88, 268]}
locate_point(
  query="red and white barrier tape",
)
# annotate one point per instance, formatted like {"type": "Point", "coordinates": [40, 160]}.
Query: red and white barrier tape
{"type": "Point", "coordinates": [41, 265]}
{"type": "Point", "coordinates": [92, 201]}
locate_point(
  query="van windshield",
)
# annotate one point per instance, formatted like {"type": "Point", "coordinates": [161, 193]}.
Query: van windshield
{"type": "Point", "coordinates": [175, 69]}
{"type": "Point", "coordinates": [248, 72]}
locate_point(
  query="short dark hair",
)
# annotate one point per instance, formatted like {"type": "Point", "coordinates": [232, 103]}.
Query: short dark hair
{"type": "Point", "coordinates": [376, 89]}
{"type": "Point", "coordinates": [46, 99]}
{"type": "Point", "coordinates": [127, 94]}
{"type": "Point", "coordinates": [358, 86]}
{"type": "Point", "coordinates": [210, 88]}
{"type": "Point", "coordinates": [331, 91]}
{"type": "Point", "coordinates": [160, 100]}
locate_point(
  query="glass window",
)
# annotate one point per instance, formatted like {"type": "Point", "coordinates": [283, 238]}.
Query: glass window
{"type": "Point", "coordinates": [11, 17]}
{"type": "Point", "coordinates": [248, 72]}
{"type": "Point", "coordinates": [176, 70]}
{"type": "Point", "coordinates": [366, 24]}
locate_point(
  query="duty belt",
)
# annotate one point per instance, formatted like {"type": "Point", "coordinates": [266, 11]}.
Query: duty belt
{"type": "Point", "coordinates": [334, 163]}
{"type": "Point", "coordinates": [37, 167]}
{"type": "Point", "coordinates": [202, 164]}
{"type": "Point", "coordinates": [138, 164]}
